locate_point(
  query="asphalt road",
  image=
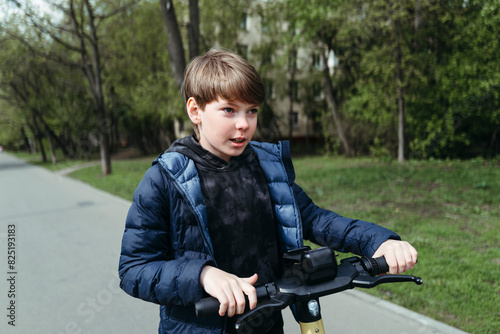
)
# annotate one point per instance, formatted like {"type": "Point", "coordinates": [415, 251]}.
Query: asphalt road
{"type": "Point", "coordinates": [59, 247]}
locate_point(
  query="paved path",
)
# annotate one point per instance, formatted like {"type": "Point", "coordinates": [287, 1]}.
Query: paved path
{"type": "Point", "coordinates": [67, 244]}
{"type": "Point", "coordinates": [68, 238]}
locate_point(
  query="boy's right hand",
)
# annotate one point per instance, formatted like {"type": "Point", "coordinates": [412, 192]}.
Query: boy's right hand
{"type": "Point", "coordinates": [229, 289]}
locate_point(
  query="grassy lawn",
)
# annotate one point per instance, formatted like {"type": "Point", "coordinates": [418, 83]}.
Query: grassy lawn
{"type": "Point", "coordinates": [125, 176]}
{"type": "Point", "coordinates": [450, 211]}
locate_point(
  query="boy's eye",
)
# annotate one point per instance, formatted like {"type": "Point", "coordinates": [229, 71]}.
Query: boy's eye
{"type": "Point", "coordinates": [228, 110]}
{"type": "Point", "coordinates": [253, 111]}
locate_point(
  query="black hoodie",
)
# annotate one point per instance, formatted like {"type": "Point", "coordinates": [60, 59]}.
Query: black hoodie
{"type": "Point", "coordinates": [239, 212]}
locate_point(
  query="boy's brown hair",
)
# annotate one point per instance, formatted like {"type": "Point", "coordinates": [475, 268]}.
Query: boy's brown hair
{"type": "Point", "coordinates": [221, 74]}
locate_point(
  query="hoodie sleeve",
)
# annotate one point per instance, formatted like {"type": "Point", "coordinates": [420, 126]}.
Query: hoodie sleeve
{"type": "Point", "coordinates": [145, 268]}
{"type": "Point", "coordinates": [328, 228]}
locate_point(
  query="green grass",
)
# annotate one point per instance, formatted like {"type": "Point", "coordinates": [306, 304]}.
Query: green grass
{"type": "Point", "coordinates": [125, 176]}
{"type": "Point", "coordinates": [449, 210]}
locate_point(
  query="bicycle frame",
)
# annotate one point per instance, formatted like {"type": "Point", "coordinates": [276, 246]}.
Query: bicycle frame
{"type": "Point", "coordinates": [309, 317]}
{"type": "Point", "coordinates": [312, 327]}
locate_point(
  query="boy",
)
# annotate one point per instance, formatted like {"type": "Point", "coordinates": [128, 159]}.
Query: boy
{"type": "Point", "coordinates": [215, 212]}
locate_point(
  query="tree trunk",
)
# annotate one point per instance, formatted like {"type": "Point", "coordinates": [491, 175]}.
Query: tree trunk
{"type": "Point", "coordinates": [401, 101]}
{"type": "Point", "coordinates": [25, 140]}
{"type": "Point", "coordinates": [418, 14]}
{"type": "Point", "coordinates": [292, 68]}
{"type": "Point", "coordinates": [493, 141]}
{"type": "Point", "coordinates": [174, 44]}
{"type": "Point", "coordinates": [39, 138]}
{"type": "Point", "coordinates": [49, 136]}
{"type": "Point", "coordinates": [417, 22]}
{"type": "Point", "coordinates": [194, 29]}
{"type": "Point", "coordinates": [290, 114]}
{"type": "Point", "coordinates": [53, 155]}
{"type": "Point", "coordinates": [33, 149]}
{"type": "Point", "coordinates": [332, 102]}
{"type": "Point", "coordinates": [401, 125]}
{"type": "Point", "coordinates": [105, 124]}
{"type": "Point", "coordinates": [92, 69]}
{"type": "Point", "coordinates": [53, 138]}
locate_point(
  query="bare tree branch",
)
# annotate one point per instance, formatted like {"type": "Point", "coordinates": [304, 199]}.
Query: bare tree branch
{"type": "Point", "coordinates": [100, 18]}
{"type": "Point", "coordinates": [44, 30]}
{"type": "Point", "coordinates": [83, 49]}
{"type": "Point", "coordinates": [49, 56]}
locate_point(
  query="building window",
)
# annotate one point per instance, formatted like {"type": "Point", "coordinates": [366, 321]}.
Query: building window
{"type": "Point", "coordinates": [267, 57]}
{"type": "Point", "coordinates": [318, 92]}
{"type": "Point", "coordinates": [295, 90]}
{"type": "Point", "coordinates": [292, 60]}
{"type": "Point", "coordinates": [294, 118]}
{"type": "Point", "coordinates": [264, 25]}
{"type": "Point", "coordinates": [317, 62]}
{"type": "Point", "coordinates": [244, 21]}
{"type": "Point", "coordinates": [269, 87]}
{"type": "Point", "coordinates": [242, 50]}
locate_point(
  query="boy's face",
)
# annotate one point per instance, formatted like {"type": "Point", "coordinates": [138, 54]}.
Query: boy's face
{"type": "Point", "coordinates": [226, 127]}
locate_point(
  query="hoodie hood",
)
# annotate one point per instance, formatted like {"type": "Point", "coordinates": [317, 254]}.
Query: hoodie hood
{"type": "Point", "coordinates": [190, 147]}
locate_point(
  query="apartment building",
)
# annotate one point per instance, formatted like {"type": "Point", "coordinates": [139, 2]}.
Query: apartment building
{"type": "Point", "coordinates": [295, 104]}
{"type": "Point", "coordinates": [292, 76]}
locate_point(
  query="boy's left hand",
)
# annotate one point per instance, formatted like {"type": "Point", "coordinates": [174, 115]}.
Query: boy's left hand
{"type": "Point", "coordinates": [400, 255]}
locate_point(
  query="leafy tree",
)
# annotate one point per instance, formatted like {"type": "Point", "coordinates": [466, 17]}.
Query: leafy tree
{"type": "Point", "coordinates": [142, 93]}
{"type": "Point", "coordinates": [383, 32]}
{"type": "Point", "coordinates": [222, 24]}
{"type": "Point", "coordinates": [74, 27]}
{"type": "Point", "coordinates": [469, 80]}
{"type": "Point", "coordinates": [413, 78]}
{"type": "Point", "coordinates": [46, 102]}
{"type": "Point", "coordinates": [275, 57]}
{"type": "Point", "coordinates": [418, 55]}
{"type": "Point", "coordinates": [318, 23]}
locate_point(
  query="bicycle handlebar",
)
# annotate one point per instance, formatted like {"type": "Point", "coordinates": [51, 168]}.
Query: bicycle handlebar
{"type": "Point", "coordinates": [209, 306]}
{"type": "Point", "coordinates": [312, 274]}
{"type": "Point", "coordinates": [375, 266]}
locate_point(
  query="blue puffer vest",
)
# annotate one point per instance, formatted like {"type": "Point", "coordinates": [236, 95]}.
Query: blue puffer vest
{"type": "Point", "coordinates": [166, 241]}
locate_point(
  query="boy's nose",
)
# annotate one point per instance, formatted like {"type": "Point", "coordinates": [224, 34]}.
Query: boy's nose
{"type": "Point", "coordinates": [242, 123]}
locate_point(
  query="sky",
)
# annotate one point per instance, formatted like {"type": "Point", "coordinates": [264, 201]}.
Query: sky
{"type": "Point", "coordinates": [7, 7]}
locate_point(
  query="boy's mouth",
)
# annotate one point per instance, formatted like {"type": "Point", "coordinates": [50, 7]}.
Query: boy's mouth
{"type": "Point", "coordinates": [237, 140]}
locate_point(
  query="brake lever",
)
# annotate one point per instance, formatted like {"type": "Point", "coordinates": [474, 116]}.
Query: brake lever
{"type": "Point", "coordinates": [367, 281]}
{"type": "Point", "coordinates": [277, 301]}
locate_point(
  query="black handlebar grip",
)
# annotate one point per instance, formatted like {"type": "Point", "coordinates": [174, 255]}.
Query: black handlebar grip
{"type": "Point", "coordinates": [207, 307]}
{"type": "Point", "coordinates": [375, 266]}
{"type": "Point", "coordinates": [382, 265]}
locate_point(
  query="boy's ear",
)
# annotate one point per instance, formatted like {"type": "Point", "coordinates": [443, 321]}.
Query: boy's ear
{"type": "Point", "coordinates": [193, 110]}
